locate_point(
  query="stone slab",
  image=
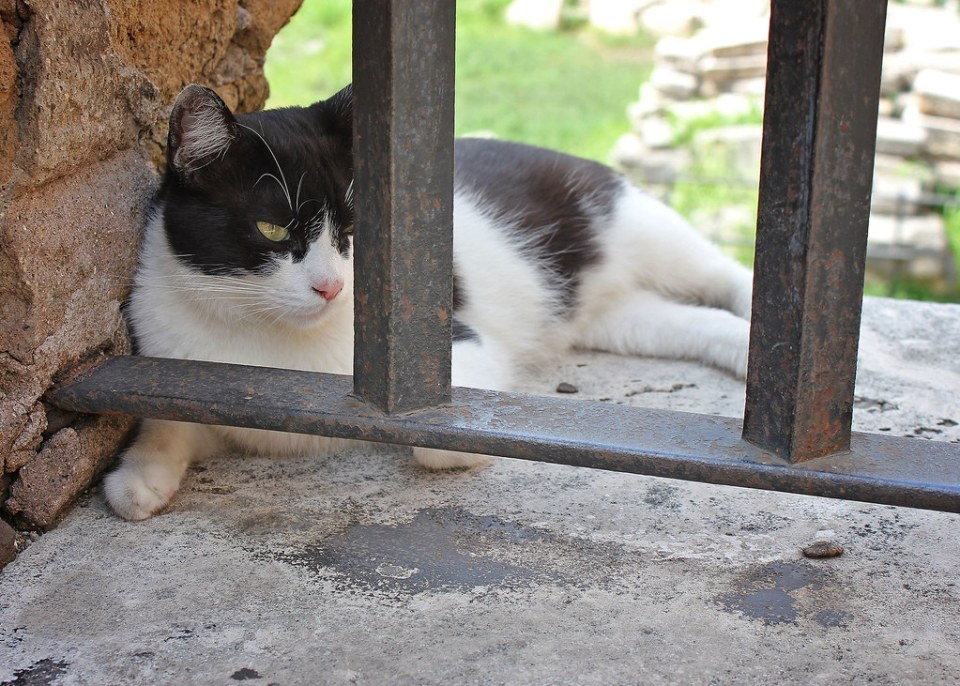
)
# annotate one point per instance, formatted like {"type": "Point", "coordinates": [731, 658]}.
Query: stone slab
{"type": "Point", "coordinates": [897, 137]}
{"type": "Point", "coordinates": [739, 146]}
{"type": "Point", "coordinates": [362, 568]}
{"type": "Point", "coordinates": [69, 460]}
{"type": "Point", "coordinates": [918, 243]}
{"type": "Point", "coordinates": [646, 166]}
{"type": "Point", "coordinates": [938, 93]}
{"type": "Point", "coordinates": [947, 173]}
{"type": "Point", "coordinates": [540, 15]}
{"type": "Point", "coordinates": [897, 195]}
{"type": "Point", "coordinates": [674, 83]}
{"type": "Point", "coordinates": [943, 133]}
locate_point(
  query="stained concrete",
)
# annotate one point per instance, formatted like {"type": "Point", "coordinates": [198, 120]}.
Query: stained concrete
{"type": "Point", "coordinates": [363, 568]}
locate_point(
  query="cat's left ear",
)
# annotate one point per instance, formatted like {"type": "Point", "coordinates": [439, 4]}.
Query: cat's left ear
{"type": "Point", "coordinates": [202, 127]}
{"type": "Point", "coordinates": [336, 114]}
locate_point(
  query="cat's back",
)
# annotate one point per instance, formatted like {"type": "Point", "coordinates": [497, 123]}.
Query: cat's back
{"type": "Point", "coordinates": [553, 204]}
{"type": "Point", "coordinates": [528, 224]}
{"type": "Point", "coordinates": [540, 184]}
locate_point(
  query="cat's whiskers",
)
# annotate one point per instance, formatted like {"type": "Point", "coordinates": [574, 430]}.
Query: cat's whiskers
{"type": "Point", "coordinates": [299, 185]}
{"type": "Point", "coordinates": [270, 314]}
{"type": "Point", "coordinates": [256, 314]}
{"type": "Point", "coordinates": [272, 176]}
{"type": "Point", "coordinates": [307, 202]}
{"type": "Point", "coordinates": [179, 283]}
{"type": "Point", "coordinates": [282, 181]}
{"type": "Point", "coordinates": [221, 291]}
{"type": "Point", "coordinates": [237, 298]}
{"type": "Point", "coordinates": [314, 225]}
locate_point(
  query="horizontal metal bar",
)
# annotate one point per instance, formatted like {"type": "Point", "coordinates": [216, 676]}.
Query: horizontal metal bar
{"type": "Point", "coordinates": [881, 469]}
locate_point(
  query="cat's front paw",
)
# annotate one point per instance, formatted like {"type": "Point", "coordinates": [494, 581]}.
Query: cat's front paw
{"type": "Point", "coordinates": [731, 348]}
{"type": "Point", "coordinates": [743, 305]}
{"type": "Point", "coordinates": [138, 494]}
{"type": "Point", "coordinates": [449, 459]}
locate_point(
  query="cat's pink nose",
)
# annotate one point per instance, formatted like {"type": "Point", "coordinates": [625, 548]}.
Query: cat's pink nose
{"type": "Point", "coordinates": [328, 290]}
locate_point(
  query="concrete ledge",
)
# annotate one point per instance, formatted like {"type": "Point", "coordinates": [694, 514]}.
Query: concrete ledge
{"type": "Point", "coordinates": [362, 568]}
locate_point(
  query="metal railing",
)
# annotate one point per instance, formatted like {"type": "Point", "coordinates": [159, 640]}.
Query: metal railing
{"type": "Point", "coordinates": [816, 173]}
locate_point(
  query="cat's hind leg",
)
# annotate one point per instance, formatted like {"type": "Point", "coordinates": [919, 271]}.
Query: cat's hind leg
{"type": "Point", "coordinates": [475, 365]}
{"type": "Point", "coordinates": [646, 323]}
{"type": "Point", "coordinates": [656, 249]}
{"type": "Point", "coordinates": [152, 467]}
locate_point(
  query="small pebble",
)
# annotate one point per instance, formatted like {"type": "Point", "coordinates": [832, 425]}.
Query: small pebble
{"type": "Point", "coordinates": [820, 549]}
{"type": "Point", "coordinates": [564, 387]}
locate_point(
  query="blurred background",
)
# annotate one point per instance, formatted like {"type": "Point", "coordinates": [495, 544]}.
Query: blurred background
{"type": "Point", "coordinates": [670, 92]}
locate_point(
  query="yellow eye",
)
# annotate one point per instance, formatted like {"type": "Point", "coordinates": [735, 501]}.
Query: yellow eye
{"type": "Point", "coordinates": [273, 232]}
{"type": "Point", "coordinates": [347, 230]}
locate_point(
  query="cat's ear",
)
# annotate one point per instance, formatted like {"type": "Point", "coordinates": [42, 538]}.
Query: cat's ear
{"type": "Point", "coordinates": [336, 114]}
{"type": "Point", "coordinates": [202, 127]}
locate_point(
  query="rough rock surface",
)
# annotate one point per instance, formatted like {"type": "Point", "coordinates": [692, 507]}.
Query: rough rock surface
{"type": "Point", "coordinates": [85, 90]}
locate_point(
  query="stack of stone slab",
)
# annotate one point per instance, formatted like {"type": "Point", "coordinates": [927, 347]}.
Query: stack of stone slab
{"type": "Point", "coordinates": [918, 142]}
{"type": "Point", "coordinates": [717, 70]}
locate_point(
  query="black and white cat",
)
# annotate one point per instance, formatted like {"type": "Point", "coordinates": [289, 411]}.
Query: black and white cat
{"type": "Point", "coordinates": [247, 259]}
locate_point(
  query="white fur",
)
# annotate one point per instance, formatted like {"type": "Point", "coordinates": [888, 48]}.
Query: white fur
{"type": "Point", "coordinates": [507, 295]}
{"type": "Point", "coordinates": [275, 321]}
{"type": "Point", "coordinates": [205, 138]}
{"type": "Point", "coordinates": [664, 290]}
{"type": "Point", "coordinates": [657, 289]}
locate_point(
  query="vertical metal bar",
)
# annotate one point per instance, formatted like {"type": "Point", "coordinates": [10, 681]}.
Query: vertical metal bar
{"type": "Point", "coordinates": [403, 62]}
{"type": "Point", "coordinates": [819, 137]}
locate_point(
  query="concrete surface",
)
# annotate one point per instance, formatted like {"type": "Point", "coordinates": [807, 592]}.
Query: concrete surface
{"type": "Point", "coordinates": [362, 568]}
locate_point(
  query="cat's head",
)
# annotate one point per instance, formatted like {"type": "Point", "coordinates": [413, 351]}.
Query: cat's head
{"type": "Point", "coordinates": [260, 205]}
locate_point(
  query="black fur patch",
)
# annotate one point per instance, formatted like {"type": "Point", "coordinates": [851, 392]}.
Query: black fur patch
{"type": "Point", "coordinates": [288, 167]}
{"type": "Point", "coordinates": [462, 332]}
{"type": "Point", "coordinates": [554, 197]}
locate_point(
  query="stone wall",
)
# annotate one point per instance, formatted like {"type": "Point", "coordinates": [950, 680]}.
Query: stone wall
{"type": "Point", "coordinates": [85, 90]}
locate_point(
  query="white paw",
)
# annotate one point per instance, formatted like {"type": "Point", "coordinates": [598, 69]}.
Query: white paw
{"type": "Point", "coordinates": [733, 358]}
{"type": "Point", "coordinates": [137, 493]}
{"type": "Point", "coordinates": [740, 366]}
{"type": "Point", "coordinates": [741, 294]}
{"type": "Point", "coordinates": [742, 305]}
{"type": "Point", "coordinates": [449, 459]}
{"type": "Point", "coordinates": [733, 349]}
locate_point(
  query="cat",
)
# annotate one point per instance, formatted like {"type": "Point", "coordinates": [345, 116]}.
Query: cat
{"type": "Point", "coordinates": [246, 258]}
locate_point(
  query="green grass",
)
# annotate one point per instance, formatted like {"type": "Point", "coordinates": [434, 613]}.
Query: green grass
{"type": "Point", "coordinates": [310, 57]}
{"type": "Point", "coordinates": [951, 216]}
{"type": "Point", "coordinates": [566, 90]}
{"type": "Point", "coordinates": [906, 288]}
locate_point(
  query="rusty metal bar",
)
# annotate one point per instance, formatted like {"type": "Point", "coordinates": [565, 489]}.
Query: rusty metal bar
{"type": "Point", "coordinates": [820, 118]}
{"type": "Point", "coordinates": [403, 60]}
{"type": "Point", "coordinates": [894, 471]}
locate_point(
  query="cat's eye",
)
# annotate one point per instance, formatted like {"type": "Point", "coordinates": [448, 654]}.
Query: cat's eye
{"type": "Point", "coordinates": [347, 230]}
{"type": "Point", "coordinates": [273, 232]}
